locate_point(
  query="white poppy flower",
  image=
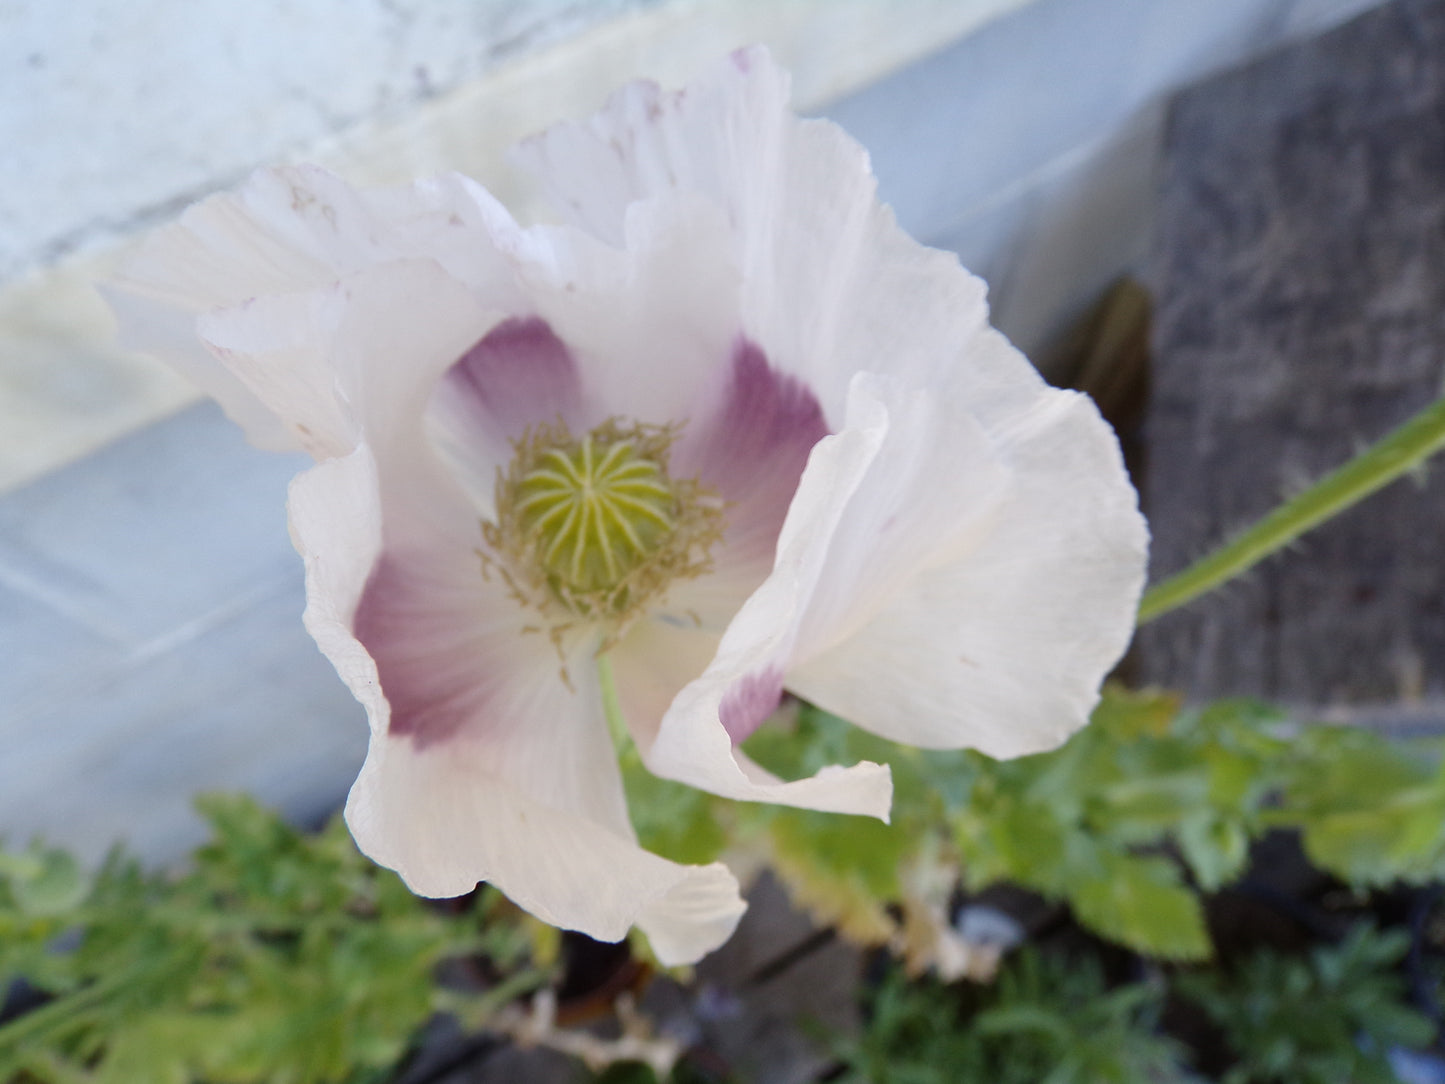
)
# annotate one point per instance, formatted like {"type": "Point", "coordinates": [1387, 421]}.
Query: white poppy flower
{"type": "Point", "coordinates": [730, 426]}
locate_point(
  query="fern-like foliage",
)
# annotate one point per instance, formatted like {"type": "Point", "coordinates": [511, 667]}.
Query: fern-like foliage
{"type": "Point", "coordinates": [278, 956]}
{"type": "Point", "coordinates": [1324, 1019]}
{"type": "Point", "coordinates": [1045, 1021]}
{"type": "Point", "coordinates": [1131, 823]}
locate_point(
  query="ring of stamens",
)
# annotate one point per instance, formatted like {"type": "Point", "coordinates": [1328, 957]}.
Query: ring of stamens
{"type": "Point", "coordinates": [595, 526]}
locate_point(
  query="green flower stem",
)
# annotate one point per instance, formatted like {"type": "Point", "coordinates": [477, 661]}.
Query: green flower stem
{"type": "Point", "coordinates": [1375, 467]}
{"type": "Point", "coordinates": [508, 990]}
{"type": "Point", "coordinates": [612, 707]}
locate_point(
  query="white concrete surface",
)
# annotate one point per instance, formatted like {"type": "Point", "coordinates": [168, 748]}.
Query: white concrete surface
{"type": "Point", "coordinates": [113, 111]}
{"type": "Point", "coordinates": [115, 114]}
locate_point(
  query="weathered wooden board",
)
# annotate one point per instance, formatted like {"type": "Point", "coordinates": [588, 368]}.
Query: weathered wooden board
{"type": "Point", "coordinates": [1299, 274]}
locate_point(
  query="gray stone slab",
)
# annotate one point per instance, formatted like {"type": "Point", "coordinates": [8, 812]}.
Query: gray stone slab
{"type": "Point", "coordinates": [41, 652]}
{"type": "Point", "coordinates": [759, 996]}
{"type": "Point", "coordinates": [163, 530]}
{"type": "Point", "coordinates": [251, 706]}
{"type": "Point", "coordinates": [150, 623]}
{"type": "Point", "coordinates": [516, 1065]}
{"type": "Point", "coordinates": [747, 1015]}
{"type": "Point", "coordinates": [1300, 282]}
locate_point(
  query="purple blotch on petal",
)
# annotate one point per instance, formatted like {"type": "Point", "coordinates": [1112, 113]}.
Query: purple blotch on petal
{"type": "Point", "coordinates": [749, 702]}
{"type": "Point", "coordinates": [422, 638]}
{"type": "Point", "coordinates": [753, 447]}
{"type": "Point", "coordinates": [519, 374]}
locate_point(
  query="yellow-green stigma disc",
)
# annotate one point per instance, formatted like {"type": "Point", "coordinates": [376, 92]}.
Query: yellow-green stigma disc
{"type": "Point", "coordinates": [597, 524]}
{"type": "Point", "coordinates": [595, 512]}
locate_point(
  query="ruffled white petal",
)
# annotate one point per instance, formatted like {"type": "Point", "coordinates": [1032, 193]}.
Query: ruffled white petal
{"type": "Point", "coordinates": [831, 285]}
{"type": "Point", "coordinates": [529, 797]}
{"type": "Point", "coordinates": [657, 659]}
{"type": "Point", "coordinates": [929, 497]}
{"type": "Point", "coordinates": [1003, 647]}
{"type": "Point", "coordinates": [695, 742]}
{"type": "Point", "coordinates": [445, 822]}
{"type": "Point", "coordinates": [294, 231]}
{"type": "Point", "coordinates": [908, 484]}
{"type": "Point", "coordinates": [719, 137]}
{"type": "Point", "coordinates": [358, 356]}
{"type": "Point", "coordinates": [295, 228]}
{"type": "Point", "coordinates": [649, 323]}
{"type": "Point", "coordinates": [162, 331]}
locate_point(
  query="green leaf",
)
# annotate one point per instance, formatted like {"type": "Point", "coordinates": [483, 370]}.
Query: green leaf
{"type": "Point", "coordinates": [842, 869]}
{"type": "Point", "coordinates": [167, 1048]}
{"type": "Point", "coordinates": [1369, 810]}
{"type": "Point", "coordinates": [1125, 715]}
{"type": "Point", "coordinates": [846, 869]}
{"type": "Point", "coordinates": [675, 821]}
{"type": "Point", "coordinates": [1145, 808]}
{"type": "Point", "coordinates": [1005, 839]}
{"type": "Point", "coordinates": [1014, 1019]}
{"type": "Point", "coordinates": [43, 881]}
{"type": "Point", "coordinates": [1140, 902]}
{"type": "Point", "coordinates": [858, 848]}
{"type": "Point", "coordinates": [1216, 850]}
